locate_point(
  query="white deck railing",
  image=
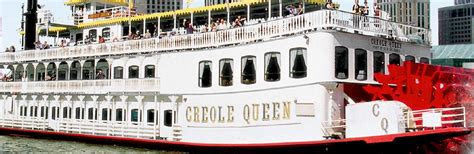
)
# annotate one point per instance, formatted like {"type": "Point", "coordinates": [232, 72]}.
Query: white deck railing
{"type": "Point", "coordinates": [83, 86]}
{"type": "Point", "coordinates": [263, 31]}
{"type": "Point", "coordinates": [95, 127]}
{"type": "Point", "coordinates": [450, 117]}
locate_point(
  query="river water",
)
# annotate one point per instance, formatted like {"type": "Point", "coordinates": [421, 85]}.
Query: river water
{"type": "Point", "coordinates": [22, 144]}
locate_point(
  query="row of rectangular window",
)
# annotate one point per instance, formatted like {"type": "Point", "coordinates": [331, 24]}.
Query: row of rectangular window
{"type": "Point", "coordinates": [360, 61]}
{"type": "Point", "coordinates": [93, 115]}
{"type": "Point", "coordinates": [272, 70]}
{"type": "Point", "coordinates": [134, 71]}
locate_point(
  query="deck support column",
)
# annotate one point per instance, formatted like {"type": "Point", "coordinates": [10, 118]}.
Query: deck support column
{"type": "Point", "coordinates": [45, 99]}
{"type": "Point", "coordinates": [269, 9]}
{"type": "Point", "coordinates": [33, 99]}
{"type": "Point", "coordinates": [34, 71]}
{"type": "Point", "coordinates": [57, 70]}
{"type": "Point", "coordinates": [68, 104]}
{"type": "Point", "coordinates": [109, 98]}
{"type": "Point", "coordinates": [94, 112]}
{"type": "Point", "coordinates": [23, 99]}
{"type": "Point", "coordinates": [174, 100]}
{"type": "Point", "coordinates": [209, 19]}
{"type": "Point", "coordinates": [124, 101]}
{"type": "Point", "coordinates": [15, 106]}
{"type": "Point", "coordinates": [56, 114]}
{"type": "Point", "coordinates": [82, 107]}
{"type": "Point", "coordinates": [141, 112]}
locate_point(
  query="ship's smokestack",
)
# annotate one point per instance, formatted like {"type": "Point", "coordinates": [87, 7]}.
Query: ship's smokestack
{"type": "Point", "coordinates": [30, 24]}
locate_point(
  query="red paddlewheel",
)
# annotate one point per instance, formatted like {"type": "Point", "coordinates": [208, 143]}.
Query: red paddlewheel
{"type": "Point", "coordinates": [423, 86]}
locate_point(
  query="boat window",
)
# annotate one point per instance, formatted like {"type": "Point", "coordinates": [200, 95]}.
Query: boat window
{"type": "Point", "coordinates": [205, 74]}
{"type": "Point", "coordinates": [67, 112]}
{"type": "Point", "coordinates": [106, 32]}
{"type": "Point", "coordinates": [54, 113]}
{"type": "Point", "coordinates": [272, 66]}
{"type": "Point", "coordinates": [119, 115]}
{"type": "Point", "coordinates": [133, 72]}
{"type": "Point", "coordinates": [410, 58]}
{"type": "Point", "coordinates": [424, 60]}
{"type": "Point", "coordinates": [168, 118]}
{"type": "Point", "coordinates": [19, 73]}
{"type": "Point", "coordinates": [394, 59]}
{"type": "Point", "coordinates": [62, 71]}
{"type": "Point", "coordinates": [149, 71]}
{"type": "Point", "coordinates": [21, 110]}
{"type": "Point", "coordinates": [79, 112]}
{"type": "Point", "coordinates": [106, 114]}
{"type": "Point", "coordinates": [298, 63]}
{"type": "Point", "coordinates": [44, 112]}
{"type": "Point", "coordinates": [360, 64]}
{"type": "Point", "coordinates": [134, 117]}
{"type": "Point", "coordinates": [92, 114]}
{"type": "Point", "coordinates": [150, 114]}
{"type": "Point", "coordinates": [379, 62]}
{"type": "Point", "coordinates": [75, 69]}
{"type": "Point", "coordinates": [32, 111]}
{"type": "Point", "coordinates": [118, 72]}
{"type": "Point", "coordinates": [248, 70]}
{"type": "Point", "coordinates": [226, 67]}
{"type": "Point", "coordinates": [39, 72]}
{"type": "Point", "coordinates": [342, 62]}
{"type": "Point", "coordinates": [93, 35]}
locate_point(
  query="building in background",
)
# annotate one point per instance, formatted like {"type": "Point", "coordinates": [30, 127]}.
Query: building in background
{"type": "Point", "coordinates": [214, 2]}
{"type": "Point", "coordinates": [460, 2]}
{"type": "Point", "coordinates": [411, 12]}
{"type": "Point", "coordinates": [154, 6]}
{"type": "Point", "coordinates": [455, 23]}
{"type": "Point", "coordinates": [460, 55]}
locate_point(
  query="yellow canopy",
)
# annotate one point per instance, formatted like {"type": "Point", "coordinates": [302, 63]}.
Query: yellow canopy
{"type": "Point", "coordinates": [51, 30]}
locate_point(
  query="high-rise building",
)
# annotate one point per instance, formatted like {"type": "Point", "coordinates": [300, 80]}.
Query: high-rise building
{"type": "Point", "coordinates": [153, 6]}
{"type": "Point", "coordinates": [411, 12]}
{"type": "Point", "coordinates": [214, 2]}
{"type": "Point", "coordinates": [460, 2]}
{"type": "Point", "coordinates": [456, 23]}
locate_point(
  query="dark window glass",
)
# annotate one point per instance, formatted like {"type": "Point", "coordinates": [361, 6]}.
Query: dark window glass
{"type": "Point", "coordinates": [410, 58]}
{"type": "Point", "coordinates": [150, 116]}
{"type": "Point", "coordinates": [67, 112]}
{"type": "Point", "coordinates": [92, 113]}
{"type": "Point", "coordinates": [248, 70]}
{"type": "Point", "coordinates": [106, 32]}
{"type": "Point", "coordinates": [133, 72]}
{"type": "Point", "coordinates": [424, 60]}
{"type": "Point", "coordinates": [205, 74]}
{"type": "Point", "coordinates": [360, 64]}
{"type": "Point", "coordinates": [298, 63]}
{"type": "Point", "coordinates": [342, 62]}
{"type": "Point", "coordinates": [379, 62]}
{"type": "Point", "coordinates": [134, 116]}
{"type": "Point", "coordinates": [394, 59]}
{"type": "Point", "coordinates": [118, 72]}
{"type": "Point", "coordinates": [54, 113]}
{"type": "Point", "coordinates": [119, 115]}
{"type": "Point", "coordinates": [226, 67]}
{"type": "Point", "coordinates": [168, 115]}
{"type": "Point", "coordinates": [149, 71]}
{"type": "Point", "coordinates": [272, 66]}
{"type": "Point", "coordinates": [93, 35]}
{"type": "Point", "coordinates": [106, 114]}
{"type": "Point", "coordinates": [79, 112]}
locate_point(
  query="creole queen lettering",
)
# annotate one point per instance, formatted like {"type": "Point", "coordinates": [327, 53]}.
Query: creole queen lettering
{"type": "Point", "coordinates": [250, 113]}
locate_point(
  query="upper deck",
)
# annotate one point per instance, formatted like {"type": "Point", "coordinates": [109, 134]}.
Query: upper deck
{"type": "Point", "coordinates": [271, 29]}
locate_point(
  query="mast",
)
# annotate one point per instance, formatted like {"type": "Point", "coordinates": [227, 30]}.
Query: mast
{"type": "Point", "coordinates": [30, 24]}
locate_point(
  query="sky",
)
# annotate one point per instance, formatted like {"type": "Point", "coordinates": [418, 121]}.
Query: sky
{"type": "Point", "coordinates": [10, 14]}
